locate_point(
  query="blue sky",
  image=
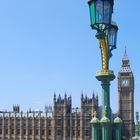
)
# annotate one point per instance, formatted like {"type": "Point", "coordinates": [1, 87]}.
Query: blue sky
{"type": "Point", "coordinates": [47, 46]}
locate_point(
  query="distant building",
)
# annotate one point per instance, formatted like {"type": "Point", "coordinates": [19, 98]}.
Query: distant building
{"type": "Point", "coordinates": [126, 97]}
{"type": "Point", "coordinates": [61, 123]}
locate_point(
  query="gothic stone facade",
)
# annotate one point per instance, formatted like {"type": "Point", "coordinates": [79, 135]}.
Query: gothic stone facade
{"type": "Point", "coordinates": [61, 123]}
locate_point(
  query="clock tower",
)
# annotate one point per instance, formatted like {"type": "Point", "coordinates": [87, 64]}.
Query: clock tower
{"type": "Point", "coordinates": [126, 97]}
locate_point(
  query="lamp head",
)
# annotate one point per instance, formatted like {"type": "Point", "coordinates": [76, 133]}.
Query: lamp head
{"type": "Point", "coordinates": [112, 35]}
{"type": "Point", "coordinates": [100, 13]}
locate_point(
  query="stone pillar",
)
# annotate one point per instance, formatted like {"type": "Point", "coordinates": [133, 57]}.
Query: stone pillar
{"type": "Point", "coordinates": [40, 128]}
{"type": "Point", "coordinates": [46, 127]}
{"type": "Point", "coordinates": [27, 126]}
{"type": "Point", "coordinates": [9, 126]}
{"type": "Point", "coordinates": [33, 127]}
{"type": "Point", "coordinates": [3, 126]}
{"type": "Point", "coordinates": [82, 118]}
{"type": "Point", "coordinates": [64, 126]}
{"type": "Point", "coordinates": [65, 118]}
{"type": "Point", "coordinates": [15, 126]}
{"type": "Point", "coordinates": [21, 127]}
{"type": "Point", "coordinates": [54, 126]}
{"type": "Point", "coordinates": [82, 125]}
{"type": "Point", "coordinates": [70, 129]}
{"type": "Point", "coordinates": [76, 127]}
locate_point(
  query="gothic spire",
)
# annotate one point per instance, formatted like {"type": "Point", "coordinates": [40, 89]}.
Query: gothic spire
{"type": "Point", "coordinates": [65, 96]}
{"type": "Point", "coordinates": [82, 96]}
{"type": "Point", "coordinates": [125, 57]}
{"type": "Point", "coordinates": [54, 97]}
{"type": "Point", "coordinates": [125, 63]}
{"type": "Point", "coordinates": [93, 95]}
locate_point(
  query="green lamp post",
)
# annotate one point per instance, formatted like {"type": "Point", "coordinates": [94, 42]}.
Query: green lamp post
{"type": "Point", "coordinates": [101, 21]}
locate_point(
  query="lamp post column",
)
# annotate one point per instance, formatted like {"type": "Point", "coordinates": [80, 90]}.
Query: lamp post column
{"type": "Point", "coordinates": [105, 77]}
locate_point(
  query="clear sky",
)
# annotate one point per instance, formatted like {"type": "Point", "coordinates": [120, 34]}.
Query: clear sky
{"type": "Point", "coordinates": [47, 46]}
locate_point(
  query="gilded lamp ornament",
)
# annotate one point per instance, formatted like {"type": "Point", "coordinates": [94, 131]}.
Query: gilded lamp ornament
{"type": "Point", "coordinates": [107, 44]}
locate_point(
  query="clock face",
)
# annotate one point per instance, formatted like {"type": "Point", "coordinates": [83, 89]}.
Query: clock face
{"type": "Point", "coordinates": [125, 82]}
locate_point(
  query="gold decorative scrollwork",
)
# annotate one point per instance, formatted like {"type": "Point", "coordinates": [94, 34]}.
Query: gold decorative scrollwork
{"type": "Point", "coordinates": [104, 52]}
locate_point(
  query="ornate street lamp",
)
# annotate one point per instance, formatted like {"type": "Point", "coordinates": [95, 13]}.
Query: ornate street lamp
{"type": "Point", "coordinates": [100, 13]}
{"type": "Point", "coordinates": [101, 21]}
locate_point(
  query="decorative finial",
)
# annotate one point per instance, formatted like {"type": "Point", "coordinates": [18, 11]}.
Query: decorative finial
{"type": "Point", "coordinates": [82, 94]}
{"type": "Point", "coordinates": [125, 50]}
{"type": "Point", "coordinates": [54, 96]}
{"type": "Point", "coordinates": [105, 113]}
{"type": "Point", "coordinates": [65, 95]}
{"type": "Point", "coordinates": [96, 96]}
{"type": "Point", "coordinates": [94, 114]}
{"type": "Point", "coordinates": [125, 57]}
{"type": "Point", "coordinates": [93, 95]}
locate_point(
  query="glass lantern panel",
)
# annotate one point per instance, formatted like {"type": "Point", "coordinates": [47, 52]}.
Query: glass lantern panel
{"type": "Point", "coordinates": [107, 12]}
{"type": "Point", "coordinates": [111, 37]}
{"type": "Point", "coordinates": [115, 39]}
{"type": "Point", "coordinates": [92, 13]}
{"type": "Point", "coordinates": [99, 11]}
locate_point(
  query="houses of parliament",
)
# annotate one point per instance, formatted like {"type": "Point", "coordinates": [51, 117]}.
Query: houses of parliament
{"type": "Point", "coordinates": [62, 122]}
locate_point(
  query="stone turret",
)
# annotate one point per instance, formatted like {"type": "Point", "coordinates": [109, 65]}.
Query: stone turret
{"type": "Point", "coordinates": [89, 105]}
{"type": "Point", "coordinates": [16, 108]}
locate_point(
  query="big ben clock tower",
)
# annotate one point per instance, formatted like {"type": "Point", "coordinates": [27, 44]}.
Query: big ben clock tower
{"type": "Point", "coordinates": [126, 97]}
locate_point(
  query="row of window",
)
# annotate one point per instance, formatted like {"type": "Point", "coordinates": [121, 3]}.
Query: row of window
{"type": "Point", "coordinates": [24, 123]}
{"type": "Point", "coordinates": [18, 138]}
{"type": "Point", "coordinates": [59, 123]}
{"type": "Point", "coordinates": [73, 122]}
{"type": "Point", "coordinates": [18, 131]}
{"type": "Point", "coordinates": [59, 132]}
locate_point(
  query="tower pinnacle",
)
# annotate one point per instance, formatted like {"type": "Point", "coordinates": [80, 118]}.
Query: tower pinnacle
{"type": "Point", "coordinates": [125, 63]}
{"type": "Point", "coordinates": [125, 57]}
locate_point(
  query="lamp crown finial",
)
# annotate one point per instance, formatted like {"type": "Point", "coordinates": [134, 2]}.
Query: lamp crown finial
{"type": "Point", "coordinates": [94, 114]}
